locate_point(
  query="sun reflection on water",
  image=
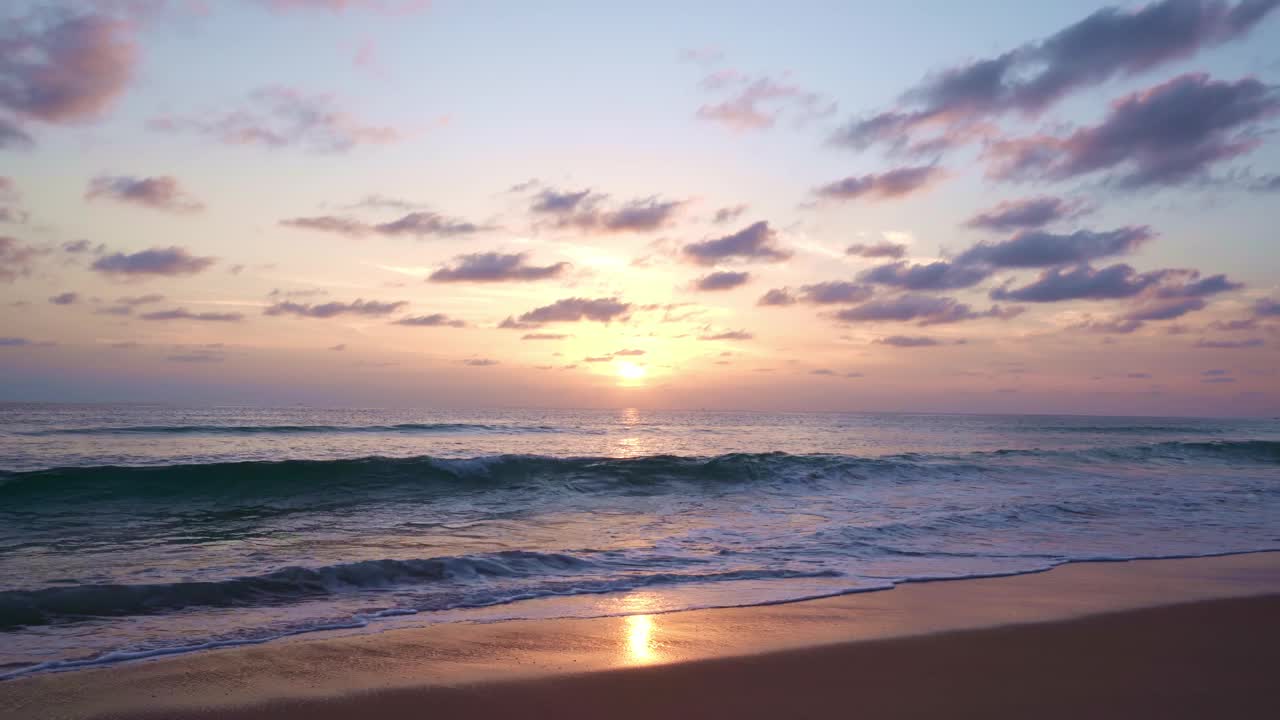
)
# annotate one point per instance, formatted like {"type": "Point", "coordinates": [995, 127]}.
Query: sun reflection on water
{"type": "Point", "coordinates": [641, 649]}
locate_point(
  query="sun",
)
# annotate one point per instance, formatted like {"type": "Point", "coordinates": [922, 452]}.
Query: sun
{"type": "Point", "coordinates": [630, 372]}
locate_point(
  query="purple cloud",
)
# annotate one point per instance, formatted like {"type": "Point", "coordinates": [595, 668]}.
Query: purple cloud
{"type": "Point", "coordinates": [432, 320]}
{"type": "Point", "coordinates": [16, 260]}
{"type": "Point", "coordinates": [895, 183]}
{"type": "Point", "coordinates": [584, 210]}
{"type": "Point", "coordinates": [877, 250]}
{"type": "Point", "coordinates": [758, 103]}
{"type": "Point", "coordinates": [777, 297]}
{"type": "Point", "coordinates": [728, 335]}
{"type": "Point", "coordinates": [1230, 344]}
{"type": "Point", "coordinates": [729, 214]}
{"type": "Point", "coordinates": [573, 310]}
{"type": "Point", "coordinates": [422, 224]}
{"type": "Point", "coordinates": [1037, 248]}
{"type": "Point", "coordinates": [330, 224]}
{"type": "Point", "coordinates": [958, 104]}
{"type": "Point", "coordinates": [543, 336]}
{"type": "Point", "coordinates": [933, 276]}
{"type": "Point", "coordinates": [1083, 282]}
{"type": "Point", "coordinates": [62, 68]}
{"type": "Point", "coordinates": [280, 116]}
{"type": "Point", "coordinates": [722, 280]}
{"type": "Point", "coordinates": [1026, 214]}
{"type": "Point", "coordinates": [416, 224]}
{"type": "Point", "coordinates": [158, 193]}
{"type": "Point", "coordinates": [398, 7]}
{"type": "Point", "coordinates": [156, 261]}
{"type": "Point", "coordinates": [66, 298]}
{"type": "Point", "coordinates": [184, 314]}
{"type": "Point", "coordinates": [363, 307]}
{"type": "Point", "coordinates": [1165, 135]}
{"type": "Point", "coordinates": [496, 267]}
{"type": "Point", "coordinates": [1266, 307]}
{"type": "Point", "coordinates": [921, 309]}
{"type": "Point", "coordinates": [906, 341]}
{"type": "Point", "coordinates": [479, 362]}
{"type": "Point", "coordinates": [754, 242]}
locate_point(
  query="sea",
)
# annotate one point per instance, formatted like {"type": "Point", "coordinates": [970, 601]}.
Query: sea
{"type": "Point", "coordinates": [135, 531]}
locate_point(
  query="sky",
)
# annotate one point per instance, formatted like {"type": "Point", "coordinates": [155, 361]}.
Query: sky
{"type": "Point", "coordinates": [991, 206]}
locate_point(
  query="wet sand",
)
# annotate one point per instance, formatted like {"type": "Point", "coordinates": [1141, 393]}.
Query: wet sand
{"type": "Point", "coordinates": [1167, 638]}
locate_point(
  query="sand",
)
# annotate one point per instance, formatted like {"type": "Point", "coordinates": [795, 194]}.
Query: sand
{"type": "Point", "coordinates": [1167, 639]}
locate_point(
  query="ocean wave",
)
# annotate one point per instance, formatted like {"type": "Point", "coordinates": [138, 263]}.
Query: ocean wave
{"type": "Point", "coordinates": [291, 429]}
{"type": "Point", "coordinates": [546, 574]}
{"type": "Point", "coordinates": [295, 479]}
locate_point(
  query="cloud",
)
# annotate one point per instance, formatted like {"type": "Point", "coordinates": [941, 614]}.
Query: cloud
{"type": "Point", "coordinates": [125, 305]}
{"type": "Point", "coordinates": [368, 308]}
{"type": "Point", "coordinates": [759, 103]}
{"type": "Point", "coordinates": [628, 352]}
{"type": "Point", "coordinates": [422, 224]}
{"type": "Point", "coordinates": [938, 275]}
{"type": "Point", "coordinates": [12, 136]}
{"type": "Point", "coordinates": [397, 7]}
{"type": "Point", "coordinates": [729, 214]}
{"type": "Point", "coordinates": [330, 224]}
{"type": "Point", "coordinates": [62, 68]}
{"type": "Point", "coordinates": [895, 183]}
{"type": "Point", "coordinates": [905, 341]}
{"type": "Point", "coordinates": [184, 314]}
{"type": "Point", "coordinates": [777, 297]}
{"type": "Point", "coordinates": [16, 260]}
{"type": "Point", "coordinates": [9, 212]}
{"type": "Point", "coordinates": [877, 250]}
{"type": "Point", "coordinates": [921, 309]}
{"type": "Point", "coordinates": [722, 280]}
{"type": "Point", "coordinates": [1165, 135]}
{"type": "Point", "coordinates": [584, 210]}
{"type": "Point", "coordinates": [543, 336]}
{"type": "Point", "coordinates": [1216, 372]}
{"type": "Point", "coordinates": [1037, 248]}
{"type": "Point", "coordinates": [14, 342]}
{"type": "Point", "coordinates": [1083, 282]}
{"type": "Point", "coordinates": [432, 320]}
{"type": "Point", "coordinates": [1263, 184]}
{"type": "Point", "coordinates": [839, 291]}
{"type": "Point", "coordinates": [158, 193]}
{"type": "Point", "coordinates": [197, 357]}
{"type": "Point", "coordinates": [77, 247]}
{"type": "Point", "coordinates": [66, 298]}
{"type": "Point", "coordinates": [1230, 344]}
{"type": "Point", "coordinates": [171, 261]}
{"type": "Point", "coordinates": [1026, 214]}
{"type": "Point", "coordinates": [728, 335]}
{"type": "Point", "coordinates": [277, 117]}
{"type": "Point", "coordinates": [1266, 307]}
{"type": "Point", "coordinates": [598, 359]}
{"type": "Point", "coordinates": [417, 224]}
{"type": "Point", "coordinates": [953, 106]}
{"type": "Point", "coordinates": [573, 309]}
{"type": "Point", "coordinates": [754, 242]}
{"type": "Point", "coordinates": [338, 348]}
{"type": "Point", "coordinates": [479, 362]}
{"type": "Point", "coordinates": [496, 267]}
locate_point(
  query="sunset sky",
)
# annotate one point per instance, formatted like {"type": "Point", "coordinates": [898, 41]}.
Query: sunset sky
{"type": "Point", "coordinates": [959, 207]}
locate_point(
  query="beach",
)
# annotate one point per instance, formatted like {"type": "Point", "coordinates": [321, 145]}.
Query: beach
{"type": "Point", "coordinates": [1191, 637]}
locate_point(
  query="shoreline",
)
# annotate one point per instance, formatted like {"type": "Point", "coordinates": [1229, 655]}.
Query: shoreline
{"type": "Point", "coordinates": [521, 658]}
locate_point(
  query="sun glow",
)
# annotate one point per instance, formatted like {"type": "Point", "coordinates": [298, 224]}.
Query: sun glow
{"type": "Point", "coordinates": [630, 373]}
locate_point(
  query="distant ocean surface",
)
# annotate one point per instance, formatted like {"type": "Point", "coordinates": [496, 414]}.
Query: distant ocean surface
{"type": "Point", "coordinates": [129, 531]}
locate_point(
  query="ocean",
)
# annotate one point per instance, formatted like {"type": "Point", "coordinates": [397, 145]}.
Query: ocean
{"type": "Point", "coordinates": [132, 531]}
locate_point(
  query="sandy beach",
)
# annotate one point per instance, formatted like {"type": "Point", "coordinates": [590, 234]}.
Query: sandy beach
{"type": "Point", "coordinates": [1162, 638]}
